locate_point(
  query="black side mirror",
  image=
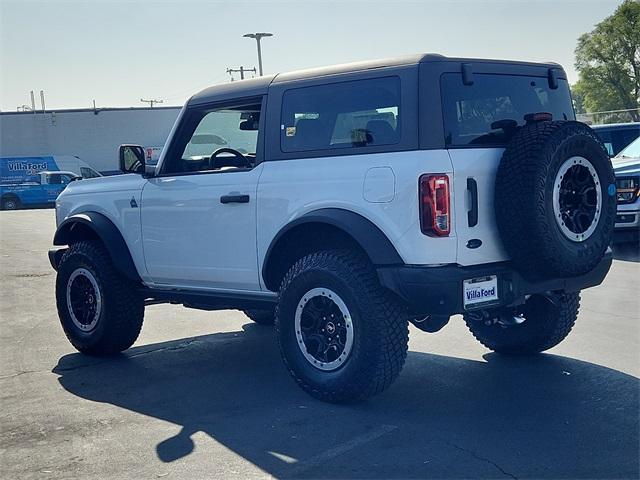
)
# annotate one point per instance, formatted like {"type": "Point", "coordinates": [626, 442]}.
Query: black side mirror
{"type": "Point", "coordinates": [131, 158]}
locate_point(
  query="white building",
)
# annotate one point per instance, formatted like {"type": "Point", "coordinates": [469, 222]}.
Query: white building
{"type": "Point", "coordinates": [92, 135]}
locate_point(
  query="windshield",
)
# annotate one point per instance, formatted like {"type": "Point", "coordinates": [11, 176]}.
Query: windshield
{"type": "Point", "coordinates": [630, 151]}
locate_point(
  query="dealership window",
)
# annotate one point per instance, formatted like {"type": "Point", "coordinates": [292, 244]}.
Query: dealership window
{"type": "Point", "coordinates": [352, 114]}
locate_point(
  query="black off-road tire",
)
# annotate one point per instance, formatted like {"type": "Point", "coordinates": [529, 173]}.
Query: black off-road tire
{"type": "Point", "coordinates": [261, 317]}
{"type": "Point", "coordinates": [524, 199]}
{"type": "Point", "coordinates": [10, 202]}
{"type": "Point", "coordinates": [546, 325]}
{"type": "Point", "coordinates": [122, 313]}
{"type": "Point", "coordinates": [380, 327]}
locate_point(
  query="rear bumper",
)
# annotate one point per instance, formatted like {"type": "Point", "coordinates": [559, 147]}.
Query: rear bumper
{"type": "Point", "coordinates": [438, 290]}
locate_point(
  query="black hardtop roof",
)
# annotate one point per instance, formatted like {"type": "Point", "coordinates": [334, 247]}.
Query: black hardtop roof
{"type": "Point", "coordinates": [259, 86]}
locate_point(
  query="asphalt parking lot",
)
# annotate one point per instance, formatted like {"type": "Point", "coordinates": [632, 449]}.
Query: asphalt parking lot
{"type": "Point", "coordinates": [204, 394]}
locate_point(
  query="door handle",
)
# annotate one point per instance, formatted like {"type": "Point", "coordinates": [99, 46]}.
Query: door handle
{"type": "Point", "coordinates": [234, 199]}
{"type": "Point", "coordinates": [472, 214]}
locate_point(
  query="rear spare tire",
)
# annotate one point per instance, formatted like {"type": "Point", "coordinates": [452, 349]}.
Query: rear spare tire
{"type": "Point", "coordinates": [555, 199]}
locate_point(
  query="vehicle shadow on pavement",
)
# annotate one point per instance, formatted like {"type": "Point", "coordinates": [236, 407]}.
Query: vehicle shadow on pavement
{"type": "Point", "coordinates": [628, 252]}
{"type": "Point", "coordinates": [445, 417]}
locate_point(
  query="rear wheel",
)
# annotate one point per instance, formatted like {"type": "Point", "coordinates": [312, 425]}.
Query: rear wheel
{"type": "Point", "coordinates": [342, 336]}
{"type": "Point", "coordinates": [100, 310]}
{"type": "Point", "coordinates": [538, 325]}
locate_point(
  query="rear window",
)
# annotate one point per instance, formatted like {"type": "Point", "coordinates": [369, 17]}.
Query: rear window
{"type": "Point", "coordinates": [489, 112]}
{"type": "Point", "coordinates": [352, 114]}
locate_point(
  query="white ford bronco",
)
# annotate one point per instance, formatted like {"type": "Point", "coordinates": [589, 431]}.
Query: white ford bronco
{"type": "Point", "coordinates": [343, 203]}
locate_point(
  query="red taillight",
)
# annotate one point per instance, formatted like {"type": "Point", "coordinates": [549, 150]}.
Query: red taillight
{"type": "Point", "coordinates": [435, 220]}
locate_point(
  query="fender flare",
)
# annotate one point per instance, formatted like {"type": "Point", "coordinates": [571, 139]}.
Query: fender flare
{"type": "Point", "coordinates": [372, 240]}
{"type": "Point", "coordinates": [107, 232]}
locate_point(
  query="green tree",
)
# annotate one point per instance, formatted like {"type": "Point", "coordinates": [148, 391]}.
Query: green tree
{"type": "Point", "coordinates": [578, 99]}
{"type": "Point", "coordinates": [608, 61]}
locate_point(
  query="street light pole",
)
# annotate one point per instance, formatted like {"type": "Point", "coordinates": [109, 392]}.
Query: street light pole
{"type": "Point", "coordinates": [258, 36]}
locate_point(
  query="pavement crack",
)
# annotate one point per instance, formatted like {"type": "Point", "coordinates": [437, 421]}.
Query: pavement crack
{"type": "Point", "coordinates": [481, 458]}
{"type": "Point", "coordinates": [165, 349]}
{"type": "Point", "coordinates": [132, 355]}
{"type": "Point", "coordinates": [4, 377]}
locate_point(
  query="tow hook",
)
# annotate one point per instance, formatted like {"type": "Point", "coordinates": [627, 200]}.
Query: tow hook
{"type": "Point", "coordinates": [430, 323]}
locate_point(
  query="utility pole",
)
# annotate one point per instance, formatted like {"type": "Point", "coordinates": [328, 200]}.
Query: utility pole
{"type": "Point", "coordinates": [258, 36]}
{"type": "Point", "coordinates": [151, 102]}
{"type": "Point", "coordinates": [241, 70]}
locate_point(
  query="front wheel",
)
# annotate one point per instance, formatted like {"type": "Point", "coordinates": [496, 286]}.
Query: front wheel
{"type": "Point", "coordinates": [100, 310]}
{"type": "Point", "coordinates": [538, 325]}
{"type": "Point", "coordinates": [342, 336]}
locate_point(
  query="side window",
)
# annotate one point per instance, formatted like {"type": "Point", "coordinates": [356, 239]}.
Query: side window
{"type": "Point", "coordinates": [352, 114]}
{"type": "Point", "coordinates": [622, 137]}
{"type": "Point", "coordinates": [87, 172]}
{"type": "Point", "coordinates": [605, 136]}
{"type": "Point", "coordinates": [222, 138]}
{"type": "Point", "coordinates": [64, 179]}
{"type": "Point", "coordinates": [54, 179]}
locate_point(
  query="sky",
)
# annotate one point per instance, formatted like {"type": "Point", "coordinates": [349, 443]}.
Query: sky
{"type": "Point", "coordinates": [117, 52]}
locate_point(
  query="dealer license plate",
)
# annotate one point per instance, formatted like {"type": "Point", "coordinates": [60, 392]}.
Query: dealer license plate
{"type": "Point", "coordinates": [481, 290]}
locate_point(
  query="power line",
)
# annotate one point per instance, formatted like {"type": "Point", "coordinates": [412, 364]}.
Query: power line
{"type": "Point", "coordinates": [151, 102]}
{"type": "Point", "coordinates": [240, 70]}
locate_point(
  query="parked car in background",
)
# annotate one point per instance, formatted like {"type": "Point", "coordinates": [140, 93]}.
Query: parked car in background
{"type": "Point", "coordinates": [616, 136]}
{"type": "Point", "coordinates": [43, 190]}
{"type": "Point", "coordinates": [626, 166]}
